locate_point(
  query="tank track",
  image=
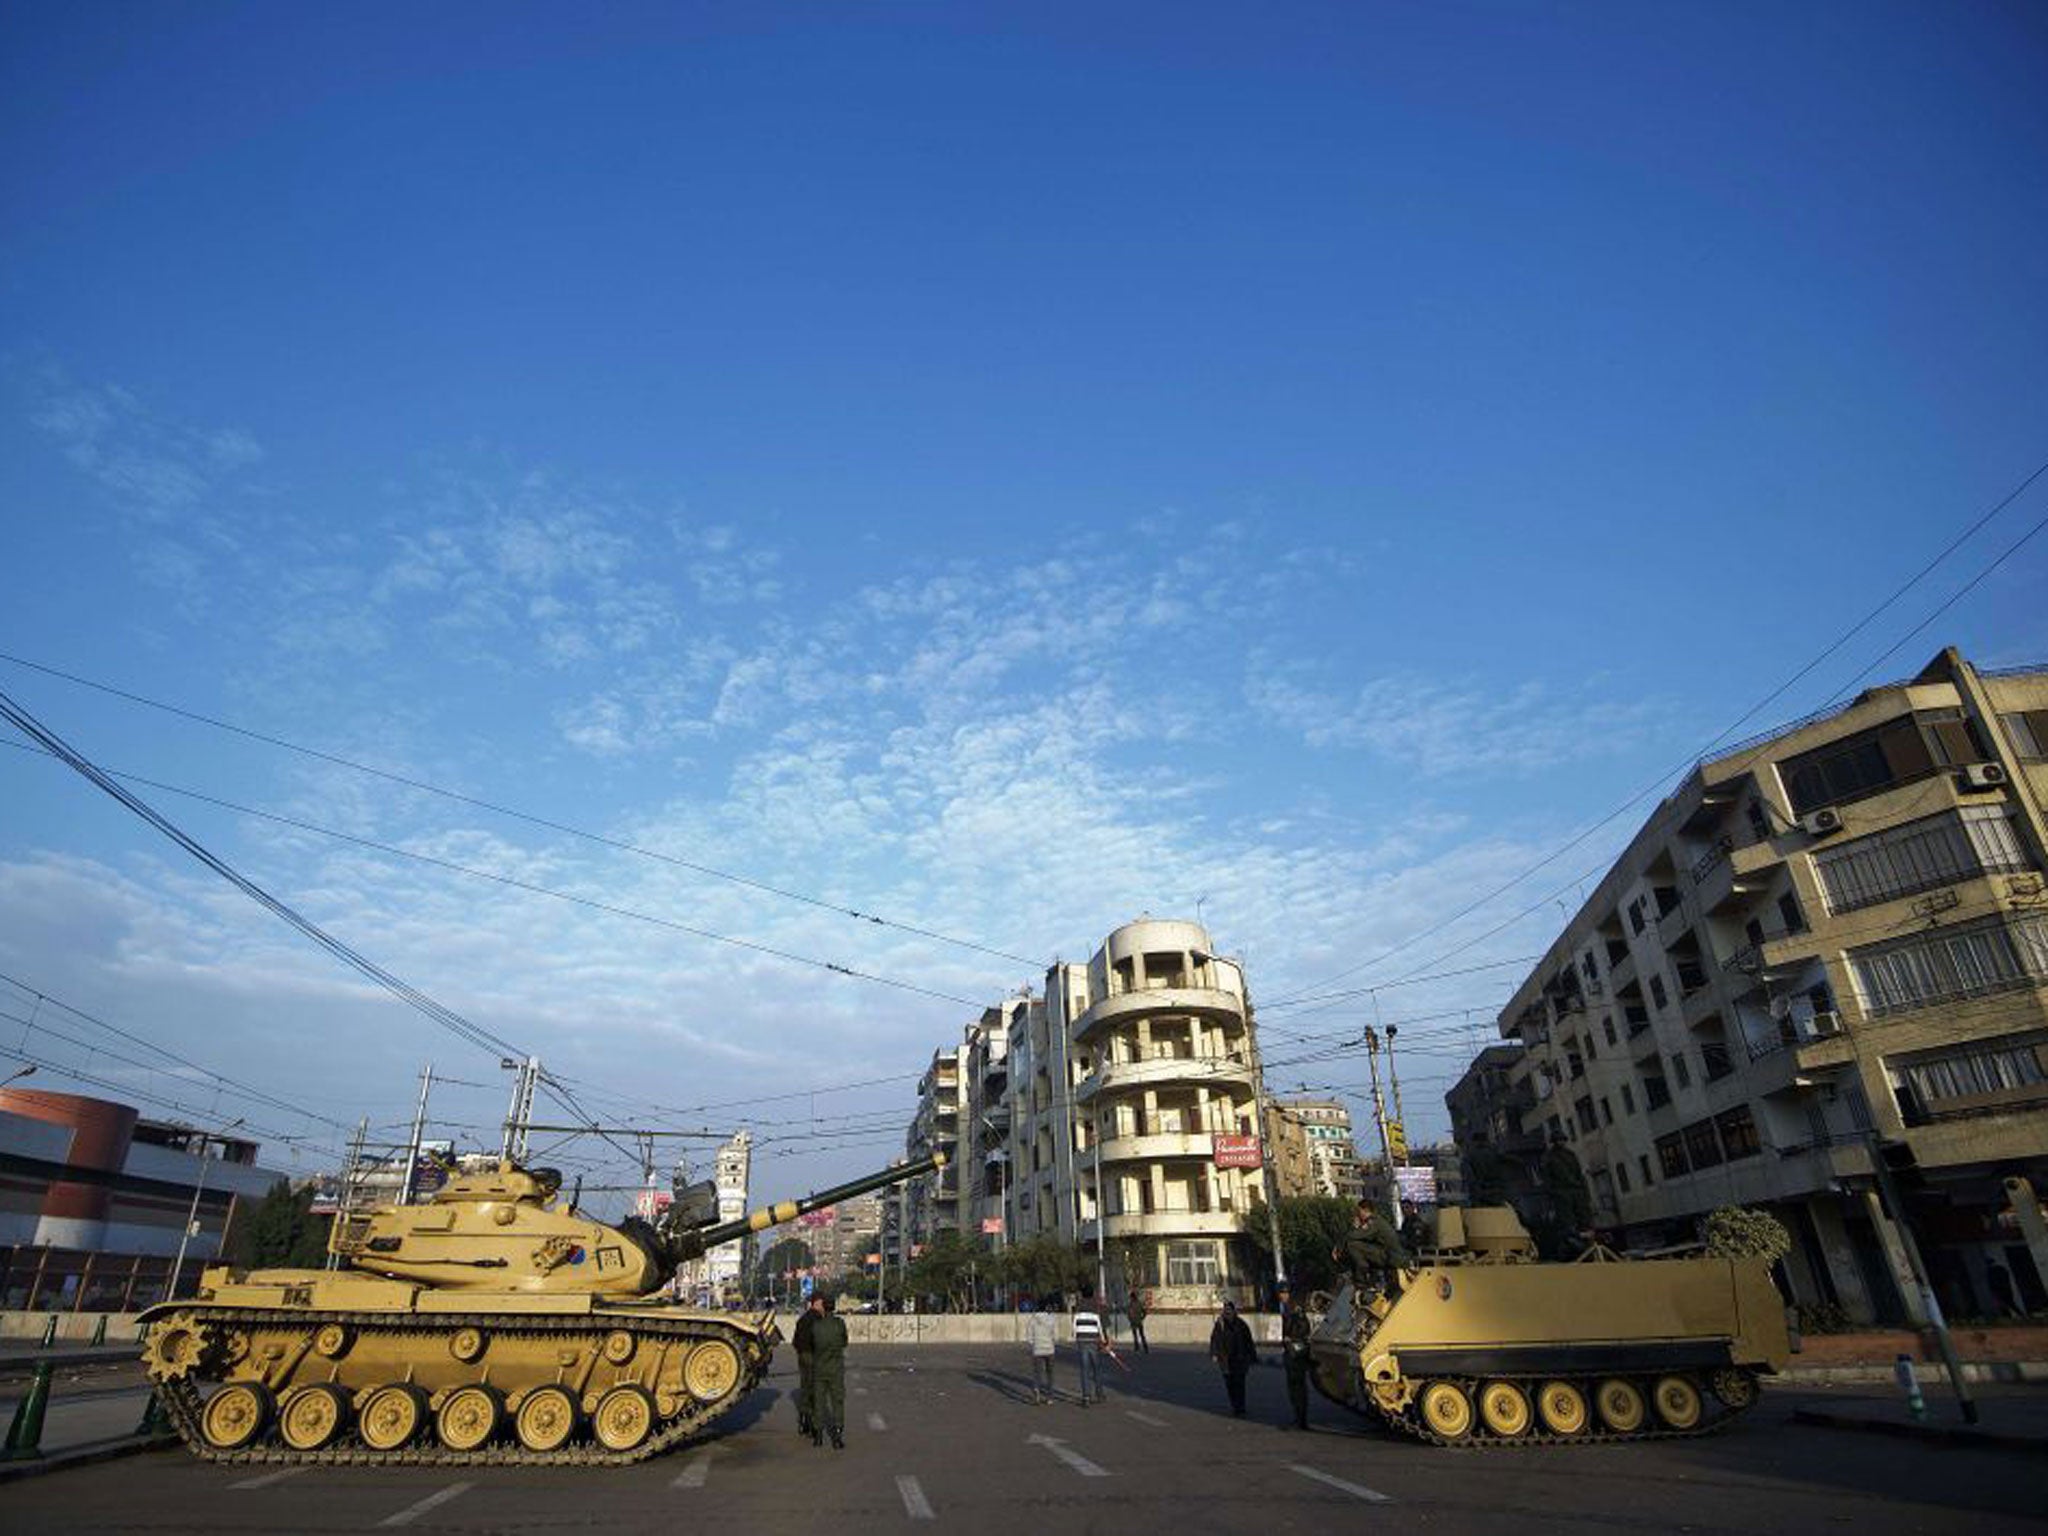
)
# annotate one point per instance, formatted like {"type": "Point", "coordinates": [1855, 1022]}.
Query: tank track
{"type": "Point", "coordinates": [183, 1401]}
{"type": "Point", "coordinates": [1409, 1420]}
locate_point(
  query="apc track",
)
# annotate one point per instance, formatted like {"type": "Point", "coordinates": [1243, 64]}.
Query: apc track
{"type": "Point", "coordinates": [1410, 1421]}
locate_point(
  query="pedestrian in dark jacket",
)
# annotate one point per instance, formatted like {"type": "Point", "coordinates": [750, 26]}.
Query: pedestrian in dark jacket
{"type": "Point", "coordinates": [828, 1377]}
{"type": "Point", "coordinates": [1294, 1332]}
{"type": "Point", "coordinates": [1230, 1346]}
{"type": "Point", "coordinates": [1134, 1309]}
{"type": "Point", "coordinates": [800, 1338]}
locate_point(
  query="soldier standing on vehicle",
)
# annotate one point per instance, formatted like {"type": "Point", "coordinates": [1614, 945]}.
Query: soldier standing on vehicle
{"type": "Point", "coordinates": [1372, 1252]}
{"type": "Point", "coordinates": [828, 1377]}
{"type": "Point", "coordinates": [1294, 1332]}
{"type": "Point", "coordinates": [814, 1307]}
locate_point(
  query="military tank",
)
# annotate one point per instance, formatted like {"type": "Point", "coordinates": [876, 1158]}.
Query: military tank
{"type": "Point", "coordinates": [491, 1323]}
{"type": "Point", "coordinates": [1485, 1345]}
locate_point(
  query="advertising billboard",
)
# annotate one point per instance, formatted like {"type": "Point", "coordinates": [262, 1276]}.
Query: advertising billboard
{"type": "Point", "coordinates": [1237, 1152]}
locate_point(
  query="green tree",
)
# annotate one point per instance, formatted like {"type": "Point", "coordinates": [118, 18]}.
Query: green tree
{"type": "Point", "coordinates": [948, 1268]}
{"type": "Point", "coordinates": [282, 1232]}
{"type": "Point", "coordinates": [1311, 1226]}
{"type": "Point", "coordinates": [1040, 1266]}
{"type": "Point", "coordinates": [1735, 1232]}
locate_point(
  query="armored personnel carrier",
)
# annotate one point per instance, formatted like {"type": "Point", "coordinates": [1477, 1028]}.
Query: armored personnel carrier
{"type": "Point", "coordinates": [1484, 1345]}
{"type": "Point", "coordinates": [492, 1323]}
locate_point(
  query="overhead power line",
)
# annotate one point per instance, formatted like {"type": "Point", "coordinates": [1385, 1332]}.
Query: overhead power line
{"type": "Point", "coordinates": [477, 802]}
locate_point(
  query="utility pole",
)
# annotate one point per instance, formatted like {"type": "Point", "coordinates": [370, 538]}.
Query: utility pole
{"type": "Point", "coordinates": [1101, 1205]}
{"type": "Point", "coordinates": [1379, 1115]}
{"type": "Point", "coordinates": [521, 1109]}
{"type": "Point", "coordinates": [419, 1128]}
{"type": "Point", "coordinates": [348, 1188]}
{"type": "Point", "coordinates": [1890, 1193]}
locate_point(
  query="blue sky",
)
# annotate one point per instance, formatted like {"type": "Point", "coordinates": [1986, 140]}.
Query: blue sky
{"type": "Point", "coordinates": [1002, 472]}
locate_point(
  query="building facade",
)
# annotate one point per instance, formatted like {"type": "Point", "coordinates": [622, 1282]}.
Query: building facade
{"type": "Point", "coordinates": [1313, 1149]}
{"type": "Point", "coordinates": [932, 1204]}
{"type": "Point", "coordinates": [1827, 946]}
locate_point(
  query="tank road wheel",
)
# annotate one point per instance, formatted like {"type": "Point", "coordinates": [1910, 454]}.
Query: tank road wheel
{"type": "Point", "coordinates": [1736, 1388]}
{"type": "Point", "coordinates": [236, 1415]}
{"type": "Point", "coordinates": [1562, 1408]}
{"type": "Point", "coordinates": [466, 1344]}
{"type": "Point", "coordinates": [176, 1346]}
{"type": "Point", "coordinates": [1620, 1404]}
{"type": "Point", "coordinates": [1504, 1409]}
{"type": "Point", "coordinates": [312, 1416]}
{"type": "Point", "coordinates": [469, 1416]}
{"type": "Point", "coordinates": [1677, 1400]}
{"type": "Point", "coordinates": [545, 1420]}
{"type": "Point", "coordinates": [624, 1418]}
{"type": "Point", "coordinates": [391, 1416]}
{"type": "Point", "coordinates": [1446, 1410]}
{"type": "Point", "coordinates": [712, 1370]}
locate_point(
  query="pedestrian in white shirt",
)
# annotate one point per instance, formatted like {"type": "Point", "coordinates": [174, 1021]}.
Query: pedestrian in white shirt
{"type": "Point", "coordinates": [1088, 1345]}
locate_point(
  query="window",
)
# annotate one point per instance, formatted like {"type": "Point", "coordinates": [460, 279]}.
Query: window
{"type": "Point", "coordinates": [1621, 1176]}
{"type": "Point", "coordinates": [1860, 765]}
{"type": "Point", "coordinates": [1656, 1093]}
{"type": "Point", "coordinates": [1738, 1134]}
{"type": "Point", "coordinates": [1643, 1162]}
{"type": "Point", "coordinates": [1978, 1077]}
{"type": "Point", "coordinates": [2028, 730]}
{"type": "Point", "coordinates": [1606, 1113]}
{"type": "Point", "coordinates": [1192, 1263]}
{"type": "Point", "coordinates": [1657, 993]}
{"type": "Point", "coordinates": [1577, 1063]}
{"type": "Point", "coordinates": [1671, 1156]}
{"type": "Point", "coordinates": [1680, 1070]}
{"type": "Point", "coordinates": [1934, 851]}
{"type": "Point", "coordinates": [1628, 1100]}
{"type": "Point", "coordinates": [1981, 957]}
{"type": "Point", "coordinates": [1790, 914]}
{"type": "Point", "coordinates": [1702, 1146]}
{"type": "Point", "coordinates": [1607, 1028]}
{"type": "Point", "coordinates": [1635, 916]}
{"type": "Point", "coordinates": [1590, 970]}
{"type": "Point", "coordinates": [1585, 1112]}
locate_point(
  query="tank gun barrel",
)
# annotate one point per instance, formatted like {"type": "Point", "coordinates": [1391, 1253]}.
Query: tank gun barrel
{"type": "Point", "coordinates": [690, 1245]}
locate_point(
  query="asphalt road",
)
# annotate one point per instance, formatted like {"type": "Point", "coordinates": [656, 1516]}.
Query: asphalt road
{"type": "Point", "coordinates": [946, 1437]}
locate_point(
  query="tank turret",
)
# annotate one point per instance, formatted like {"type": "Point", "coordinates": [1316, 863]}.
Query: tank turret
{"type": "Point", "coordinates": [491, 1323]}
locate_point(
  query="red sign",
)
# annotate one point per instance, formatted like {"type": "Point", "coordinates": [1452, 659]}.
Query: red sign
{"type": "Point", "coordinates": [1237, 1152]}
{"type": "Point", "coordinates": [991, 1224]}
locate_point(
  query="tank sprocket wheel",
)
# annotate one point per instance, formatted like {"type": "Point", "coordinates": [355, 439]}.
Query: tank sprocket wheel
{"type": "Point", "coordinates": [1446, 1409]}
{"type": "Point", "coordinates": [1504, 1409]}
{"type": "Point", "coordinates": [546, 1419]}
{"type": "Point", "coordinates": [1736, 1388]}
{"type": "Point", "coordinates": [468, 1417]}
{"type": "Point", "coordinates": [624, 1418]}
{"type": "Point", "coordinates": [712, 1370]}
{"type": "Point", "coordinates": [236, 1415]}
{"type": "Point", "coordinates": [1562, 1408]}
{"type": "Point", "coordinates": [312, 1416]}
{"type": "Point", "coordinates": [178, 1346]}
{"type": "Point", "coordinates": [1620, 1404]}
{"type": "Point", "coordinates": [391, 1417]}
{"type": "Point", "coordinates": [1677, 1400]}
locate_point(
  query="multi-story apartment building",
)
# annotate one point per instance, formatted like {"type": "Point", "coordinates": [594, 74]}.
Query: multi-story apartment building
{"type": "Point", "coordinates": [1828, 945]}
{"type": "Point", "coordinates": [985, 1136]}
{"type": "Point", "coordinates": [1120, 1082]}
{"type": "Point", "coordinates": [1313, 1151]}
{"type": "Point", "coordinates": [932, 1204]}
{"type": "Point", "coordinates": [1487, 1105]}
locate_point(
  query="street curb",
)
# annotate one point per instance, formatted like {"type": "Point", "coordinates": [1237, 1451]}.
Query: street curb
{"type": "Point", "coordinates": [84, 1455]}
{"type": "Point", "coordinates": [1940, 1434]}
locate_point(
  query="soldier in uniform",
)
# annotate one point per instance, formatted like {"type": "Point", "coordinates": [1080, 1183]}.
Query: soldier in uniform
{"type": "Point", "coordinates": [814, 1307]}
{"type": "Point", "coordinates": [828, 1377]}
{"type": "Point", "coordinates": [1294, 1332]}
{"type": "Point", "coordinates": [1372, 1252]}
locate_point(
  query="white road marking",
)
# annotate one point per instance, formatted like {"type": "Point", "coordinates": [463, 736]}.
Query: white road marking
{"type": "Point", "coordinates": [1072, 1458]}
{"type": "Point", "coordinates": [269, 1477]}
{"type": "Point", "coordinates": [693, 1475]}
{"type": "Point", "coordinates": [1144, 1418]}
{"type": "Point", "coordinates": [431, 1501]}
{"type": "Point", "coordinates": [876, 1421]}
{"type": "Point", "coordinates": [1371, 1496]}
{"type": "Point", "coordinates": [915, 1504]}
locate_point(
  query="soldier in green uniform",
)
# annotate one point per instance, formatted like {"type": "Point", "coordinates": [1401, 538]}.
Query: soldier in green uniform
{"type": "Point", "coordinates": [1294, 1331]}
{"type": "Point", "coordinates": [1372, 1252]}
{"type": "Point", "coordinates": [814, 1308]}
{"type": "Point", "coordinates": [828, 1377]}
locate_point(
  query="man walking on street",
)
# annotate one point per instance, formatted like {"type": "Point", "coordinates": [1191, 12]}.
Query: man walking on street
{"type": "Point", "coordinates": [1088, 1346]}
{"type": "Point", "coordinates": [1134, 1309]}
{"type": "Point", "coordinates": [1041, 1335]}
{"type": "Point", "coordinates": [800, 1338]}
{"type": "Point", "coordinates": [828, 1377]}
{"type": "Point", "coordinates": [1230, 1346]}
{"type": "Point", "coordinates": [1294, 1332]}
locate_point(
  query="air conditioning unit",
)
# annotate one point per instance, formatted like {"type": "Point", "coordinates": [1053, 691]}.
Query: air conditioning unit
{"type": "Point", "coordinates": [1821, 822]}
{"type": "Point", "coordinates": [1983, 775]}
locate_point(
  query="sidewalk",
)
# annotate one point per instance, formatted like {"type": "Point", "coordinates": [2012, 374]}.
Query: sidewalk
{"type": "Point", "coordinates": [2009, 1418]}
{"type": "Point", "coordinates": [91, 1416]}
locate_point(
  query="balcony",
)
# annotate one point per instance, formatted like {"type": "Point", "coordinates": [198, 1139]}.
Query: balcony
{"type": "Point", "coordinates": [1159, 1071]}
{"type": "Point", "coordinates": [1159, 1144]}
{"type": "Point", "coordinates": [1165, 1224]}
{"type": "Point", "coordinates": [1209, 1003]}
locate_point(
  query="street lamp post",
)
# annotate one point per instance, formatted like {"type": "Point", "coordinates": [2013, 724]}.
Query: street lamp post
{"type": "Point", "coordinates": [192, 1216]}
{"type": "Point", "coordinates": [27, 1071]}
